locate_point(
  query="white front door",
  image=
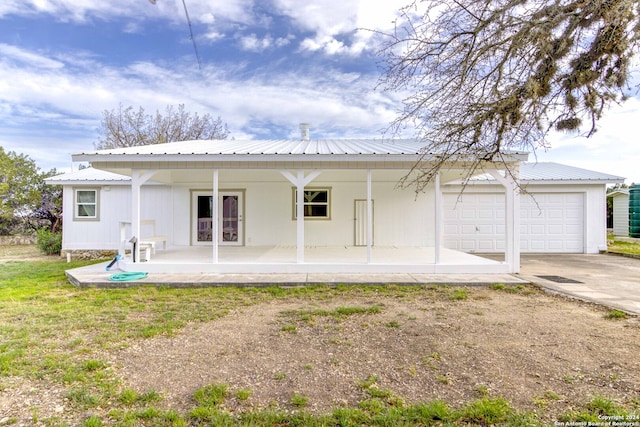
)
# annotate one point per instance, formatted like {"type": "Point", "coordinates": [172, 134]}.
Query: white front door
{"type": "Point", "coordinates": [360, 222]}
{"type": "Point", "coordinates": [230, 218]}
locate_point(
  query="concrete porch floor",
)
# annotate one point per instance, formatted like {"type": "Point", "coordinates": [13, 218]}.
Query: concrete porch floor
{"type": "Point", "coordinates": [268, 266]}
{"type": "Point", "coordinates": [314, 254]}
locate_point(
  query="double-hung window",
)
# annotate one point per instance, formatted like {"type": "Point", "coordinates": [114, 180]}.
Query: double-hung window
{"type": "Point", "coordinates": [317, 203]}
{"type": "Point", "coordinates": [86, 204]}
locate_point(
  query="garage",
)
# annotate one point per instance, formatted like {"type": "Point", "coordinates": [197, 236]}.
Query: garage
{"type": "Point", "coordinates": [549, 222]}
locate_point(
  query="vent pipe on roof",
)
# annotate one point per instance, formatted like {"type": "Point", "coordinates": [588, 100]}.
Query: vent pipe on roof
{"type": "Point", "coordinates": [304, 131]}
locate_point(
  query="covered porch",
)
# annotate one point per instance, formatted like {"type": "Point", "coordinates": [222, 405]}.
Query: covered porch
{"type": "Point", "coordinates": [296, 207]}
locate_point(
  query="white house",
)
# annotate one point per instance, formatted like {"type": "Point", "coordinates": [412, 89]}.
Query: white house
{"type": "Point", "coordinates": [279, 206]}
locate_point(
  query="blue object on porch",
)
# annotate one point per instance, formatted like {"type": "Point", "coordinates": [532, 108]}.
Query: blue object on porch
{"type": "Point", "coordinates": [115, 260]}
{"type": "Point", "coordinates": [128, 276]}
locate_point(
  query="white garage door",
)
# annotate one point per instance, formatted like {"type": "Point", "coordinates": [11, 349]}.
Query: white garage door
{"type": "Point", "coordinates": [549, 222]}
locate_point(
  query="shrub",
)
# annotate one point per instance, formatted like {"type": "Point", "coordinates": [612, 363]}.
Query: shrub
{"type": "Point", "coordinates": [49, 243]}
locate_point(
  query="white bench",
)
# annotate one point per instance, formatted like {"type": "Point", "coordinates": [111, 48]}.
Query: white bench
{"type": "Point", "coordinates": [149, 239]}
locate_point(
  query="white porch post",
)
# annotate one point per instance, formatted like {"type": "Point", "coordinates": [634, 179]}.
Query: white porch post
{"type": "Point", "coordinates": [437, 205]}
{"type": "Point", "coordinates": [138, 178]}
{"type": "Point", "coordinates": [515, 208]}
{"type": "Point", "coordinates": [300, 217]}
{"type": "Point", "coordinates": [512, 216]}
{"type": "Point", "coordinates": [300, 181]}
{"type": "Point", "coordinates": [214, 217]}
{"type": "Point", "coordinates": [369, 217]}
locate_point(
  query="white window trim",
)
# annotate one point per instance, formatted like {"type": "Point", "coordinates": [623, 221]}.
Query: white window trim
{"type": "Point", "coordinates": [327, 203]}
{"type": "Point", "coordinates": [77, 217]}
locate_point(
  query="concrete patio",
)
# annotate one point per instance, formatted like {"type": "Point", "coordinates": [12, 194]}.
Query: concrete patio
{"type": "Point", "coordinates": [266, 266]}
{"type": "Point", "coordinates": [317, 259]}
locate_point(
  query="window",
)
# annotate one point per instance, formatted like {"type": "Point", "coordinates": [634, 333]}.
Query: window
{"type": "Point", "coordinates": [86, 204]}
{"type": "Point", "coordinates": [317, 203]}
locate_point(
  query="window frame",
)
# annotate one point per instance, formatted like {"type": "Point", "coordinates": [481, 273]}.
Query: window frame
{"type": "Point", "coordinates": [294, 204]}
{"type": "Point", "coordinates": [77, 204]}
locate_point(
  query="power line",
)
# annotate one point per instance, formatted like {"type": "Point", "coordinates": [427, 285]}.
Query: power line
{"type": "Point", "coordinates": [195, 48]}
{"type": "Point", "coordinates": [193, 40]}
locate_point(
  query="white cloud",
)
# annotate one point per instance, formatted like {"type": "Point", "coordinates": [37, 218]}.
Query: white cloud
{"type": "Point", "coordinates": [73, 94]}
{"type": "Point", "coordinates": [30, 59]}
{"type": "Point", "coordinates": [253, 43]}
{"type": "Point", "coordinates": [612, 149]}
{"type": "Point", "coordinates": [85, 10]}
{"type": "Point", "coordinates": [340, 26]}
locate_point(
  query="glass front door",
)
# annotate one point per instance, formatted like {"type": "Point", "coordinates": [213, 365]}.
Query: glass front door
{"type": "Point", "coordinates": [230, 212]}
{"type": "Point", "coordinates": [231, 217]}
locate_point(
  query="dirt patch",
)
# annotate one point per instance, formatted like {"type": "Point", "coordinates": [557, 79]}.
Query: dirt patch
{"type": "Point", "coordinates": [543, 353]}
{"type": "Point", "coordinates": [540, 352]}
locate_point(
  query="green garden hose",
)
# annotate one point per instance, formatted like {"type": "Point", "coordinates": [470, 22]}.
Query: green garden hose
{"type": "Point", "coordinates": [127, 276]}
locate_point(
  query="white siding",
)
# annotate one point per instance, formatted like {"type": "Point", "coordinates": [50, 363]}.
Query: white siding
{"type": "Point", "coordinates": [114, 207]}
{"type": "Point", "coordinates": [621, 215]}
{"type": "Point", "coordinates": [400, 218]}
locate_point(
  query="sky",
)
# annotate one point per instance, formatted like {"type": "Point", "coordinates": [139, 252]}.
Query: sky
{"type": "Point", "coordinates": [262, 66]}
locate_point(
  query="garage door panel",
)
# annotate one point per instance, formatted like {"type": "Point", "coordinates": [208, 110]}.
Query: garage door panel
{"type": "Point", "coordinates": [573, 229]}
{"type": "Point", "coordinates": [468, 229]}
{"type": "Point", "coordinates": [555, 213]}
{"type": "Point", "coordinates": [469, 214]}
{"type": "Point", "coordinates": [536, 229]}
{"type": "Point", "coordinates": [536, 245]}
{"type": "Point", "coordinates": [555, 229]}
{"type": "Point", "coordinates": [486, 229]}
{"type": "Point", "coordinates": [550, 222]}
{"type": "Point", "coordinates": [486, 245]}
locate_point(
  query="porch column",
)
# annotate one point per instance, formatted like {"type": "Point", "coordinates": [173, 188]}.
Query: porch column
{"type": "Point", "coordinates": [300, 217]}
{"type": "Point", "coordinates": [214, 217]}
{"type": "Point", "coordinates": [138, 177]}
{"type": "Point", "coordinates": [510, 182]}
{"type": "Point", "coordinates": [437, 205]}
{"type": "Point", "coordinates": [300, 181]}
{"type": "Point", "coordinates": [369, 217]}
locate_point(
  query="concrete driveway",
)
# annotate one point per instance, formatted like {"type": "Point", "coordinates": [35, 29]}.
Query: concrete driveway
{"type": "Point", "coordinates": [611, 280]}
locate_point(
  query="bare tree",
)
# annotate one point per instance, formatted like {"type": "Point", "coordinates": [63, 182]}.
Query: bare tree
{"type": "Point", "coordinates": [488, 76]}
{"type": "Point", "coordinates": [126, 127]}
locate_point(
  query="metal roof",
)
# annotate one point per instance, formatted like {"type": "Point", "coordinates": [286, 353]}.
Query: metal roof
{"type": "Point", "coordinates": [554, 172]}
{"type": "Point", "coordinates": [280, 148]}
{"type": "Point", "coordinates": [619, 192]}
{"type": "Point", "coordinates": [88, 175]}
{"type": "Point", "coordinates": [549, 171]}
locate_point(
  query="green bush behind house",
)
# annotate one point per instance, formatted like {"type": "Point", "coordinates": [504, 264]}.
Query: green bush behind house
{"type": "Point", "coordinates": [49, 243]}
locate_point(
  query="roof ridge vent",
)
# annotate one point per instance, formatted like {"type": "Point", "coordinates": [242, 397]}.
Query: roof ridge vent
{"type": "Point", "coordinates": [304, 131]}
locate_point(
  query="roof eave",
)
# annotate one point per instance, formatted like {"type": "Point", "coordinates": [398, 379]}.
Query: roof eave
{"type": "Point", "coordinates": [261, 158]}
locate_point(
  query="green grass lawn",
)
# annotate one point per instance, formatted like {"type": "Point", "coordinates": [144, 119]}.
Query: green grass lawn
{"type": "Point", "coordinates": [631, 248]}
{"type": "Point", "coordinates": [54, 333]}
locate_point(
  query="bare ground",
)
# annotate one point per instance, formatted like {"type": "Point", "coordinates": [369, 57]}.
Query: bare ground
{"type": "Point", "coordinates": [519, 347]}
{"type": "Point", "coordinates": [543, 353]}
